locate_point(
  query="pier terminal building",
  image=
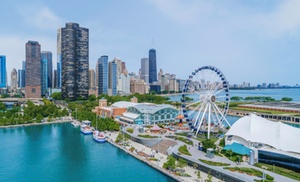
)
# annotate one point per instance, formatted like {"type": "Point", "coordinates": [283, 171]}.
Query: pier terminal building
{"type": "Point", "coordinates": [265, 141]}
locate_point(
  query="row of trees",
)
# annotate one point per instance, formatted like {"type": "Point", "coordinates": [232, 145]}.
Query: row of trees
{"type": "Point", "coordinates": [31, 113]}
{"type": "Point", "coordinates": [258, 99]}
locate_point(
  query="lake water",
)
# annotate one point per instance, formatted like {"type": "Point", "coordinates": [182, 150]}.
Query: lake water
{"type": "Point", "coordinates": [59, 152]}
{"type": "Point", "coordinates": [277, 94]}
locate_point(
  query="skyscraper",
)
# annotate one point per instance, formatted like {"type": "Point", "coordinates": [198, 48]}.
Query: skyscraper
{"type": "Point", "coordinates": [2, 71]}
{"type": "Point", "coordinates": [152, 66]}
{"type": "Point", "coordinates": [112, 78]}
{"type": "Point", "coordinates": [48, 56]}
{"type": "Point", "coordinates": [21, 78]}
{"type": "Point", "coordinates": [103, 75]}
{"type": "Point", "coordinates": [59, 70]}
{"type": "Point", "coordinates": [44, 76]}
{"type": "Point", "coordinates": [55, 79]}
{"type": "Point", "coordinates": [75, 61]}
{"type": "Point", "coordinates": [91, 78]}
{"type": "Point", "coordinates": [14, 80]}
{"type": "Point", "coordinates": [145, 69]}
{"type": "Point", "coordinates": [33, 70]}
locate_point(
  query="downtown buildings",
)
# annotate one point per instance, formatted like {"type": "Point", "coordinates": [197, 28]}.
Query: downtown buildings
{"type": "Point", "coordinates": [73, 42]}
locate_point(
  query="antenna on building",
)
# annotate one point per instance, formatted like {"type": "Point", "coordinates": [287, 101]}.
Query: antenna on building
{"type": "Point", "coordinates": [153, 42]}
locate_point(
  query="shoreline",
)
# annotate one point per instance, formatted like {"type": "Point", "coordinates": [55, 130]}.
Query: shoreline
{"type": "Point", "coordinates": [159, 169]}
{"type": "Point", "coordinates": [33, 124]}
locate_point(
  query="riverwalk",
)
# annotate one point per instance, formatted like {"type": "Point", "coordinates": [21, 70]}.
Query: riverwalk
{"type": "Point", "coordinates": [56, 120]}
{"type": "Point", "coordinates": [158, 165]}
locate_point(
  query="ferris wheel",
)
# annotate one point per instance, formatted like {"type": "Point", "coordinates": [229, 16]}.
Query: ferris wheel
{"type": "Point", "coordinates": [205, 100]}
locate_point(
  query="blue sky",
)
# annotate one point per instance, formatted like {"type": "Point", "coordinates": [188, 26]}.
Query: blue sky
{"type": "Point", "coordinates": [254, 41]}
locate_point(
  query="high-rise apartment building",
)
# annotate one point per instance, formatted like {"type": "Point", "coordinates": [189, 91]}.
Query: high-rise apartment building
{"type": "Point", "coordinates": [33, 70]}
{"type": "Point", "coordinates": [152, 66]}
{"type": "Point", "coordinates": [112, 78]}
{"type": "Point", "coordinates": [103, 75]}
{"type": "Point", "coordinates": [44, 76]}
{"type": "Point", "coordinates": [145, 69]}
{"type": "Point", "coordinates": [75, 61]}
{"type": "Point", "coordinates": [138, 86]}
{"type": "Point", "coordinates": [3, 80]}
{"type": "Point", "coordinates": [14, 80]}
{"type": "Point", "coordinates": [91, 78]}
{"type": "Point", "coordinates": [48, 56]}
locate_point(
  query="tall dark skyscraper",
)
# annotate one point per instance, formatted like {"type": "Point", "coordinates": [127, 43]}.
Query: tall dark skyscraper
{"type": "Point", "coordinates": [48, 56]}
{"type": "Point", "coordinates": [33, 70]}
{"type": "Point", "coordinates": [74, 61]}
{"type": "Point", "coordinates": [152, 66]}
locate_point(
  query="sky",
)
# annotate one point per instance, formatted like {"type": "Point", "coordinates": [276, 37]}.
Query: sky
{"type": "Point", "coordinates": [255, 41]}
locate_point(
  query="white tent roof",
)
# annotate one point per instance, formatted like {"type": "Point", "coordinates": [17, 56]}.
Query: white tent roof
{"type": "Point", "coordinates": [276, 134]}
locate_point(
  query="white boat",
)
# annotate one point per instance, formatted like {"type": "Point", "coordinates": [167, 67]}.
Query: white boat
{"type": "Point", "coordinates": [75, 123]}
{"type": "Point", "coordinates": [86, 128]}
{"type": "Point", "coordinates": [99, 137]}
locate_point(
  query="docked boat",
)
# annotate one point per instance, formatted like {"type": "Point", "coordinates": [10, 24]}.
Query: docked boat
{"type": "Point", "coordinates": [99, 137]}
{"type": "Point", "coordinates": [86, 128]}
{"type": "Point", "coordinates": [75, 124]}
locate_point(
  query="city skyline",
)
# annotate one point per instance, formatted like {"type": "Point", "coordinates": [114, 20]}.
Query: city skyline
{"type": "Point", "coordinates": [249, 41]}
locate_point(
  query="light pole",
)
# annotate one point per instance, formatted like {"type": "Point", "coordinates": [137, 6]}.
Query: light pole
{"type": "Point", "coordinates": [76, 113]}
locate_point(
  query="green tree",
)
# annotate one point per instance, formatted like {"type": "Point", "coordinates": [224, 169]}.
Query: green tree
{"type": "Point", "coordinates": [170, 164]}
{"type": "Point", "coordinates": [198, 174]}
{"type": "Point", "coordinates": [288, 99]}
{"type": "Point", "coordinates": [92, 97]}
{"type": "Point", "coordinates": [181, 163]}
{"type": "Point", "coordinates": [2, 106]}
{"type": "Point", "coordinates": [208, 144]}
{"type": "Point", "coordinates": [209, 178]}
{"type": "Point", "coordinates": [236, 98]}
{"type": "Point", "coordinates": [57, 95]}
{"type": "Point", "coordinates": [39, 118]}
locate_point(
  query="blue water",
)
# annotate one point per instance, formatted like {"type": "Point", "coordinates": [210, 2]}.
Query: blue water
{"type": "Point", "coordinates": [277, 94]}
{"type": "Point", "coordinates": [58, 152]}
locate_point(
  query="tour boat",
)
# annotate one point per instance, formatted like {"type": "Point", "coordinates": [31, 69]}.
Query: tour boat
{"type": "Point", "coordinates": [99, 137]}
{"type": "Point", "coordinates": [86, 128]}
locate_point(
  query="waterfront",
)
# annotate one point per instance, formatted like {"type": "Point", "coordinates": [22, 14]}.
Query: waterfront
{"type": "Point", "coordinates": [58, 152]}
{"type": "Point", "coordinates": [277, 94]}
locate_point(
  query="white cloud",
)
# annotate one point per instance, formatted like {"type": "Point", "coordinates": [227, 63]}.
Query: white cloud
{"type": "Point", "coordinates": [283, 19]}
{"type": "Point", "coordinates": [40, 16]}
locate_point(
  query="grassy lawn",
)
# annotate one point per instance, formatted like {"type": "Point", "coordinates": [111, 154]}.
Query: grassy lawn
{"type": "Point", "coordinates": [185, 140]}
{"type": "Point", "coordinates": [129, 130]}
{"type": "Point", "coordinates": [249, 171]}
{"type": "Point", "coordinates": [279, 170]}
{"type": "Point", "coordinates": [183, 149]}
{"type": "Point", "coordinates": [212, 163]}
{"type": "Point", "coordinates": [202, 138]}
{"type": "Point", "coordinates": [147, 136]}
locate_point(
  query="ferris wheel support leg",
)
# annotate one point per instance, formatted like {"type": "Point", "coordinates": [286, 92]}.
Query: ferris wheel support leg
{"type": "Point", "coordinates": [201, 120]}
{"type": "Point", "coordinates": [208, 128]}
{"type": "Point", "coordinates": [222, 115]}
